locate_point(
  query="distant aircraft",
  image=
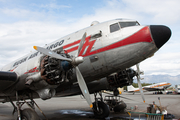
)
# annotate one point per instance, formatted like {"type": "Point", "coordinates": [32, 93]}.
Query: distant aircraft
{"type": "Point", "coordinates": [81, 63]}
{"type": "Point", "coordinates": [177, 89]}
{"type": "Point", "coordinates": [154, 87]}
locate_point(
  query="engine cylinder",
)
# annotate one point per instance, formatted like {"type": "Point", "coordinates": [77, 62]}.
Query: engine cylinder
{"type": "Point", "coordinates": [122, 78]}
{"type": "Point", "coordinates": [55, 71]}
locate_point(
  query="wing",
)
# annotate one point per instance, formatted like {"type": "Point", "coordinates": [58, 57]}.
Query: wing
{"type": "Point", "coordinates": [7, 79]}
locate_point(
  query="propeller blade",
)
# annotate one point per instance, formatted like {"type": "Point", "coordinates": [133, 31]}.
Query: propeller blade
{"type": "Point", "coordinates": [83, 87]}
{"type": "Point", "coordinates": [51, 53]}
{"type": "Point", "coordinates": [138, 70]}
{"type": "Point", "coordinates": [81, 44]}
{"type": "Point", "coordinates": [139, 83]}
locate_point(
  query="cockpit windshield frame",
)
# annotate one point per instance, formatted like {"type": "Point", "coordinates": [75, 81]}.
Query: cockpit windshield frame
{"type": "Point", "coordinates": [114, 27]}
{"type": "Point", "coordinates": [128, 24]}
{"type": "Point", "coordinates": [122, 24]}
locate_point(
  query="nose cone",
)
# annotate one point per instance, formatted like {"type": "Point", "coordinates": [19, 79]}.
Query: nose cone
{"type": "Point", "coordinates": [160, 34]}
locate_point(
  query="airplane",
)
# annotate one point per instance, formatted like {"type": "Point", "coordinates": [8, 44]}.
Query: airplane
{"type": "Point", "coordinates": [154, 87]}
{"type": "Point", "coordinates": [85, 62]}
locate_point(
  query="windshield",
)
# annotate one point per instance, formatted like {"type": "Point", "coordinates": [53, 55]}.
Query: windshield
{"type": "Point", "coordinates": [128, 24]}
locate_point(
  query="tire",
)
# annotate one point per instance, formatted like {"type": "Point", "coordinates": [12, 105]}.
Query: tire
{"type": "Point", "coordinates": [121, 107]}
{"type": "Point", "coordinates": [103, 110]}
{"type": "Point", "coordinates": [116, 92]}
{"type": "Point", "coordinates": [29, 114]}
{"type": "Point", "coordinates": [114, 102]}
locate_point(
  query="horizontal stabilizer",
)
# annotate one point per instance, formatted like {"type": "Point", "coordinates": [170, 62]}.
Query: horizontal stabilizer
{"type": "Point", "coordinates": [130, 88]}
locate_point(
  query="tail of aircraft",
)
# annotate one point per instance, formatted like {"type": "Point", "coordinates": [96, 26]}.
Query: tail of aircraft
{"type": "Point", "coordinates": [131, 88]}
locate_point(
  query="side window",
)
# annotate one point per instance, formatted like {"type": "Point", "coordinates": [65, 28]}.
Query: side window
{"type": "Point", "coordinates": [114, 27]}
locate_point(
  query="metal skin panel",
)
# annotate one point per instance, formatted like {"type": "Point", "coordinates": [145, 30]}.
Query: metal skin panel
{"type": "Point", "coordinates": [125, 56]}
{"type": "Point", "coordinates": [112, 52]}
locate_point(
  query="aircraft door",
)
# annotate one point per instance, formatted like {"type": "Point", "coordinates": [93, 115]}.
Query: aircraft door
{"type": "Point", "coordinates": [97, 60]}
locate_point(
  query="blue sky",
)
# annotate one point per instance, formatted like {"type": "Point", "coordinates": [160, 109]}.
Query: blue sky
{"type": "Point", "coordinates": [24, 24]}
{"type": "Point", "coordinates": [53, 10]}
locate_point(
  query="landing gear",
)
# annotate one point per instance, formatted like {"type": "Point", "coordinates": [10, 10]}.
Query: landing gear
{"type": "Point", "coordinates": [115, 104]}
{"type": "Point", "coordinates": [27, 113]}
{"type": "Point", "coordinates": [115, 92]}
{"type": "Point", "coordinates": [100, 109]}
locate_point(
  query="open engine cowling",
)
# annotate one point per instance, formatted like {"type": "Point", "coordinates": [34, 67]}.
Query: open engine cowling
{"type": "Point", "coordinates": [122, 78]}
{"type": "Point", "coordinates": [55, 71]}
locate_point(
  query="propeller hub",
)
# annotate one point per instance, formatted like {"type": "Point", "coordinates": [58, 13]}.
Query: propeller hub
{"type": "Point", "coordinates": [78, 60]}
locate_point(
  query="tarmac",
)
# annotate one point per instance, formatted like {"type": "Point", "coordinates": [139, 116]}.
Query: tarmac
{"type": "Point", "coordinates": [75, 107]}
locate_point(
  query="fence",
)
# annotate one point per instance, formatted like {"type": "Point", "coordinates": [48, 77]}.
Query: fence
{"type": "Point", "coordinates": [150, 116]}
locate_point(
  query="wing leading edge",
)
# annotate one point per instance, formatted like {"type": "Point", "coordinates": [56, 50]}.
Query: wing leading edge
{"type": "Point", "coordinates": [7, 79]}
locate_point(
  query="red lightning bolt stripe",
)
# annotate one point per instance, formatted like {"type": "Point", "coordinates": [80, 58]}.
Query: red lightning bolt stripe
{"type": "Point", "coordinates": [143, 35]}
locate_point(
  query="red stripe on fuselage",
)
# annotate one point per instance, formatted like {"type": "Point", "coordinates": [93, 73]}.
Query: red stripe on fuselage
{"type": "Point", "coordinates": [142, 35]}
{"type": "Point", "coordinates": [32, 70]}
{"type": "Point", "coordinates": [71, 44]}
{"type": "Point", "coordinates": [86, 43]}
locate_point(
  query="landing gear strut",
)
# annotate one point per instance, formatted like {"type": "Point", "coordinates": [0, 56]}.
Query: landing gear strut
{"type": "Point", "coordinates": [27, 113]}
{"type": "Point", "coordinates": [100, 109]}
{"type": "Point", "coordinates": [115, 92]}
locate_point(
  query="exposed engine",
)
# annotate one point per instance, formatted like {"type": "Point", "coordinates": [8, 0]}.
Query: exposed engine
{"type": "Point", "coordinates": [55, 71]}
{"type": "Point", "coordinates": [122, 78]}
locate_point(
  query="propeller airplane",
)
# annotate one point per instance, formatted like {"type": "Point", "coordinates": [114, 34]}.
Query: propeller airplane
{"type": "Point", "coordinates": [87, 61]}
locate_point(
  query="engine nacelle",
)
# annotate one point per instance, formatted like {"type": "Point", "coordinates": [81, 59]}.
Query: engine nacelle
{"type": "Point", "coordinates": [122, 78]}
{"type": "Point", "coordinates": [46, 93]}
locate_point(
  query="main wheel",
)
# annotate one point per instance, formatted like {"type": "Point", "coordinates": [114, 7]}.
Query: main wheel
{"type": "Point", "coordinates": [29, 114]}
{"type": "Point", "coordinates": [120, 107]}
{"type": "Point", "coordinates": [102, 111]}
{"type": "Point", "coordinates": [116, 92]}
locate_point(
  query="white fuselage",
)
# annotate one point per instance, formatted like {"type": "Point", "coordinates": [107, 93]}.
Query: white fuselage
{"type": "Point", "coordinates": [104, 52]}
{"type": "Point", "coordinates": [154, 87]}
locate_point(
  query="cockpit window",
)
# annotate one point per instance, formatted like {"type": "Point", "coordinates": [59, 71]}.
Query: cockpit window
{"type": "Point", "coordinates": [114, 27]}
{"type": "Point", "coordinates": [128, 24]}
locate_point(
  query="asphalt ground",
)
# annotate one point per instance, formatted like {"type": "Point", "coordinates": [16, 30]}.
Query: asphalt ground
{"type": "Point", "coordinates": [75, 107]}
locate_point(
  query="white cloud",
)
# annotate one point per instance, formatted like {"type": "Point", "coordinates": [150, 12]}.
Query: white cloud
{"type": "Point", "coordinates": [18, 39]}
{"type": "Point", "coordinates": [18, 14]}
{"type": "Point", "coordinates": [165, 11]}
{"type": "Point", "coordinates": [54, 6]}
{"type": "Point", "coordinates": [40, 27]}
{"type": "Point", "coordinates": [164, 63]}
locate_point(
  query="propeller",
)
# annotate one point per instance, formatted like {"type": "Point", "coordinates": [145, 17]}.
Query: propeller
{"type": "Point", "coordinates": [75, 61]}
{"type": "Point", "coordinates": [51, 53]}
{"type": "Point", "coordinates": [139, 83]}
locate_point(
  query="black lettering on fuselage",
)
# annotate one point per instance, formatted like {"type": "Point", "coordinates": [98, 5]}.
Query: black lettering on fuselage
{"type": "Point", "coordinates": [55, 45]}
{"type": "Point", "coordinates": [35, 54]}
{"type": "Point", "coordinates": [20, 61]}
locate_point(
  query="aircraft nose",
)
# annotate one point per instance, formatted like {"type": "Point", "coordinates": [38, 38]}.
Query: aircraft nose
{"type": "Point", "coordinates": [160, 34]}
